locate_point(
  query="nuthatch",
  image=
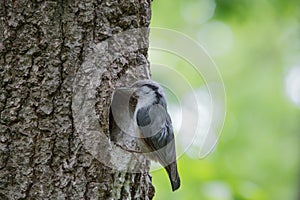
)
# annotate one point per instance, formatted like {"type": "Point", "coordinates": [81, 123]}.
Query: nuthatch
{"type": "Point", "coordinates": [154, 126]}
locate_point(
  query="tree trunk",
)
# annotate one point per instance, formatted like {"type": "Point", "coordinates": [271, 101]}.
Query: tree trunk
{"type": "Point", "coordinates": [59, 65]}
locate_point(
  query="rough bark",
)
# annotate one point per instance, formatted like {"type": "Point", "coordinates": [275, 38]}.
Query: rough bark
{"type": "Point", "coordinates": [43, 45]}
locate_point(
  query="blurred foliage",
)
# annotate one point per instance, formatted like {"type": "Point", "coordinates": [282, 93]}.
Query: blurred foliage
{"type": "Point", "coordinates": [257, 156]}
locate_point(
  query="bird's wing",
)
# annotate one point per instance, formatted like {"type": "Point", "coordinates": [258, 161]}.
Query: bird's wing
{"type": "Point", "coordinates": [157, 132]}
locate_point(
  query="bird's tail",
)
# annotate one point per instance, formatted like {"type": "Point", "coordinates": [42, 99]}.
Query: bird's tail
{"type": "Point", "coordinates": [173, 175]}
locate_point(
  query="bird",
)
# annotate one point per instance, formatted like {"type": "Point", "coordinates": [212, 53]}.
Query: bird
{"type": "Point", "coordinates": [153, 124]}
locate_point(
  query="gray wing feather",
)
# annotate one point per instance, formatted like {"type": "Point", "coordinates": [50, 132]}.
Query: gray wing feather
{"type": "Point", "coordinates": [160, 139]}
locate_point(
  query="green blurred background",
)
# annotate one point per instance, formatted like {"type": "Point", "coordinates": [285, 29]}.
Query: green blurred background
{"type": "Point", "coordinates": [256, 46]}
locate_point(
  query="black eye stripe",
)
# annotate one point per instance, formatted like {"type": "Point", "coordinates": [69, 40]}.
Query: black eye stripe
{"type": "Point", "coordinates": [153, 87]}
